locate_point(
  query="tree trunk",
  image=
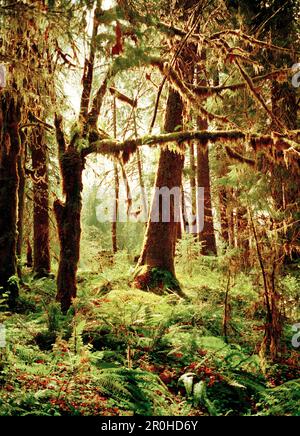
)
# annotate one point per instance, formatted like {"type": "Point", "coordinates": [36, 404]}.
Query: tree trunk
{"type": "Point", "coordinates": [142, 187]}
{"type": "Point", "coordinates": [193, 184]}
{"type": "Point", "coordinates": [29, 259]}
{"type": "Point", "coordinates": [159, 245]}
{"type": "Point", "coordinates": [69, 226]}
{"type": "Point", "coordinates": [128, 191]}
{"type": "Point", "coordinates": [184, 217]}
{"type": "Point", "coordinates": [285, 185]}
{"type": "Point", "coordinates": [230, 215]}
{"type": "Point", "coordinates": [10, 145]}
{"type": "Point", "coordinates": [139, 157]}
{"type": "Point", "coordinates": [114, 225]}
{"type": "Point", "coordinates": [41, 247]}
{"type": "Point", "coordinates": [21, 200]}
{"type": "Point", "coordinates": [207, 235]}
{"type": "Point", "coordinates": [72, 161]}
{"type": "Point", "coordinates": [243, 235]}
{"type": "Point", "coordinates": [115, 211]}
{"type": "Point", "coordinates": [223, 199]}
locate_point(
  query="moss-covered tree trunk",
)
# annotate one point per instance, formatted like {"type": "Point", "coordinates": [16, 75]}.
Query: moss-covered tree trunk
{"type": "Point", "coordinates": [224, 221]}
{"type": "Point", "coordinates": [141, 183]}
{"type": "Point", "coordinates": [68, 217]}
{"type": "Point", "coordinates": [207, 234]}
{"type": "Point", "coordinates": [21, 202]}
{"type": "Point", "coordinates": [158, 252]}
{"type": "Point", "coordinates": [243, 235]}
{"type": "Point", "coordinates": [225, 201]}
{"type": "Point", "coordinates": [41, 246]}
{"type": "Point", "coordinates": [114, 228]}
{"type": "Point", "coordinates": [10, 116]}
{"type": "Point", "coordinates": [193, 184]}
{"type": "Point", "coordinates": [285, 179]}
{"type": "Point", "coordinates": [69, 227]}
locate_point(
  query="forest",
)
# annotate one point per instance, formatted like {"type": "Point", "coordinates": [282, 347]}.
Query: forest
{"type": "Point", "coordinates": [149, 208]}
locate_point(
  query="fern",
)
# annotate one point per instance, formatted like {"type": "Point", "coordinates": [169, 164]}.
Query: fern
{"type": "Point", "coordinates": [141, 391]}
{"type": "Point", "coordinates": [282, 400]}
{"type": "Point", "coordinates": [196, 392]}
{"type": "Point", "coordinates": [76, 340]}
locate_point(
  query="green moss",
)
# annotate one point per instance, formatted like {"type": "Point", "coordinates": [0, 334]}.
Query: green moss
{"type": "Point", "coordinates": [157, 280]}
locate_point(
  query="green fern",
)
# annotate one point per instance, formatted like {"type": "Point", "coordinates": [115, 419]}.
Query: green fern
{"type": "Point", "coordinates": [141, 391]}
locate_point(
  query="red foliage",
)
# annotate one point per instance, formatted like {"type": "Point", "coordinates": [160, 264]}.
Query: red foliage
{"type": "Point", "coordinates": [143, 281]}
{"type": "Point", "coordinates": [166, 376]}
{"type": "Point", "coordinates": [118, 48]}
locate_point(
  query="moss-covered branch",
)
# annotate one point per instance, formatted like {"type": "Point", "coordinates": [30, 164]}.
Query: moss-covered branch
{"type": "Point", "coordinates": [258, 96]}
{"type": "Point", "coordinates": [98, 101]}
{"type": "Point", "coordinates": [251, 40]}
{"type": "Point", "coordinates": [207, 91]}
{"type": "Point", "coordinates": [122, 97]}
{"type": "Point", "coordinates": [258, 142]}
{"type": "Point", "coordinates": [197, 94]}
{"type": "Point", "coordinates": [87, 79]}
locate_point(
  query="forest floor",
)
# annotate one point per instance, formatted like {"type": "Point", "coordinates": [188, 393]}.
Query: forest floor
{"type": "Point", "coordinates": [120, 351]}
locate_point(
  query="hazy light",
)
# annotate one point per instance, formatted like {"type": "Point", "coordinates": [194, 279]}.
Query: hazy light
{"type": "Point", "coordinates": [107, 4]}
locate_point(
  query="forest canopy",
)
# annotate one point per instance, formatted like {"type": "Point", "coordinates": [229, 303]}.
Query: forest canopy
{"type": "Point", "coordinates": [149, 197]}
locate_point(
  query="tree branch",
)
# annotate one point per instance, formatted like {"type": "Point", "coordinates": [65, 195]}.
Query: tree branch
{"type": "Point", "coordinates": [188, 93]}
{"type": "Point", "coordinates": [60, 137]}
{"type": "Point", "coordinates": [122, 97]}
{"type": "Point", "coordinates": [251, 40]}
{"type": "Point", "coordinates": [258, 97]}
{"type": "Point", "coordinates": [211, 90]}
{"type": "Point", "coordinates": [232, 154]}
{"type": "Point", "coordinates": [258, 142]}
{"type": "Point", "coordinates": [88, 72]}
{"type": "Point", "coordinates": [175, 31]}
{"type": "Point", "coordinates": [196, 94]}
{"type": "Point", "coordinates": [98, 101]}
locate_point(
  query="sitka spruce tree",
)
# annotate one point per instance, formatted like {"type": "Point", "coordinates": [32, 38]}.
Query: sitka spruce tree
{"type": "Point", "coordinates": [157, 258]}
{"type": "Point", "coordinates": [10, 147]}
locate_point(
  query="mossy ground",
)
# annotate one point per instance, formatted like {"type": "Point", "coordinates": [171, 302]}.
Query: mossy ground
{"type": "Point", "coordinates": [122, 351]}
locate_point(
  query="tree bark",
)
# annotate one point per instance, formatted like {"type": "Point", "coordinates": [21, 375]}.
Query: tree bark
{"type": "Point", "coordinates": [29, 259]}
{"type": "Point", "coordinates": [243, 235]}
{"type": "Point", "coordinates": [193, 183]}
{"type": "Point", "coordinates": [10, 145]}
{"type": "Point", "coordinates": [142, 186]}
{"type": "Point", "coordinates": [160, 239]}
{"type": "Point", "coordinates": [183, 225]}
{"type": "Point", "coordinates": [139, 157]}
{"type": "Point", "coordinates": [223, 200]}
{"type": "Point", "coordinates": [207, 235]}
{"type": "Point", "coordinates": [21, 200]}
{"type": "Point", "coordinates": [69, 226]}
{"type": "Point", "coordinates": [41, 247]}
{"type": "Point", "coordinates": [72, 161]}
{"type": "Point", "coordinates": [127, 189]}
{"type": "Point", "coordinates": [115, 211]}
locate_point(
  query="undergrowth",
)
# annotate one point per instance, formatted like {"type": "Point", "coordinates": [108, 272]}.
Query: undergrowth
{"type": "Point", "coordinates": [121, 351]}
